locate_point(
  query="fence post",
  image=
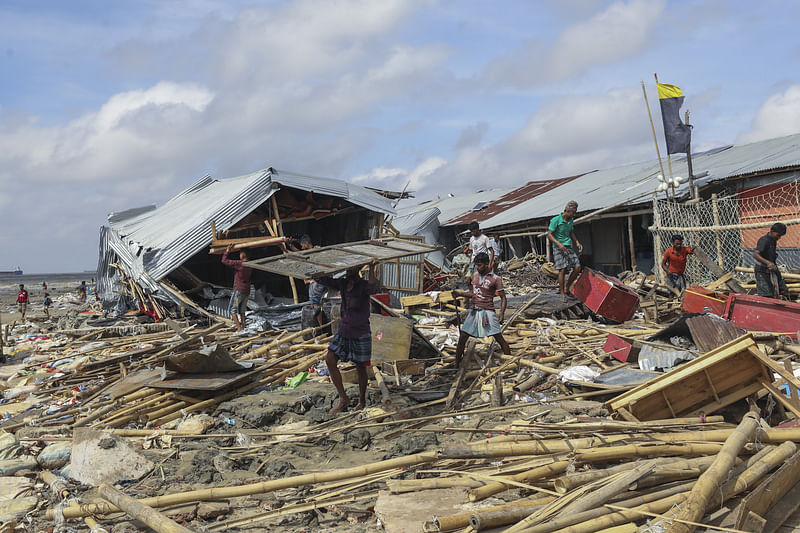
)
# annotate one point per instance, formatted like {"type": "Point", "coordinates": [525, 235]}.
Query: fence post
{"type": "Point", "coordinates": [715, 209]}
{"type": "Point", "coordinates": [659, 274]}
{"type": "Point", "coordinates": [631, 244]}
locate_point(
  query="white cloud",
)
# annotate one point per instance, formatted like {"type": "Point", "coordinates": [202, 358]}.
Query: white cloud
{"type": "Point", "coordinates": [567, 136]}
{"type": "Point", "coordinates": [281, 86]}
{"type": "Point", "coordinates": [779, 115]}
{"type": "Point", "coordinates": [397, 179]}
{"type": "Point", "coordinates": [620, 31]}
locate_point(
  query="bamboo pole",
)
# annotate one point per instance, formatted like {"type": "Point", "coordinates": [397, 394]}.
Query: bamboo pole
{"type": "Point", "coordinates": [715, 210]}
{"type": "Point", "coordinates": [136, 509]}
{"type": "Point", "coordinates": [699, 499]}
{"type": "Point", "coordinates": [560, 522]}
{"type": "Point", "coordinates": [462, 520]}
{"type": "Point", "coordinates": [495, 487]}
{"type": "Point", "coordinates": [592, 500]}
{"type": "Point", "coordinates": [77, 511]}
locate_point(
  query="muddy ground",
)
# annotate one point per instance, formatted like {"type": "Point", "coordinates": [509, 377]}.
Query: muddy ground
{"type": "Point", "coordinates": [220, 462]}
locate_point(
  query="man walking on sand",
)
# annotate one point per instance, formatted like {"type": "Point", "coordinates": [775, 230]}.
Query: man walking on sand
{"type": "Point", "coordinates": [22, 300]}
{"type": "Point", "coordinates": [561, 234]}
{"type": "Point", "coordinates": [353, 342]}
{"type": "Point", "coordinates": [241, 287]}
{"type": "Point", "coordinates": [482, 321]}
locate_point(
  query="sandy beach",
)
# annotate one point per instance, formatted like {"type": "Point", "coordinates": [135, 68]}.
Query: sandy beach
{"type": "Point", "coordinates": [62, 288]}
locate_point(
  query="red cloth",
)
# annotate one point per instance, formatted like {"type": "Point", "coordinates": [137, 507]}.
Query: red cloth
{"type": "Point", "coordinates": [22, 297]}
{"type": "Point", "coordinates": [241, 280]}
{"type": "Point", "coordinates": [677, 261]}
{"type": "Point", "coordinates": [484, 288]}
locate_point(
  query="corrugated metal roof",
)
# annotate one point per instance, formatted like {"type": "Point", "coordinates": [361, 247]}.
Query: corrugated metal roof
{"type": "Point", "coordinates": [592, 191]}
{"type": "Point", "coordinates": [710, 332]}
{"type": "Point", "coordinates": [425, 224]}
{"type": "Point", "coordinates": [412, 223]}
{"type": "Point", "coordinates": [455, 206]}
{"type": "Point", "coordinates": [530, 190]}
{"type": "Point", "coordinates": [159, 240]}
{"type": "Point", "coordinates": [635, 183]}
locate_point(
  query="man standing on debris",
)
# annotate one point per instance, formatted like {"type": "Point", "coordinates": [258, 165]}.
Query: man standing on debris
{"type": "Point", "coordinates": [82, 291]}
{"type": "Point", "coordinates": [241, 287]}
{"type": "Point", "coordinates": [481, 320]}
{"type": "Point", "coordinates": [478, 244]}
{"type": "Point", "coordinates": [353, 342]}
{"type": "Point", "coordinates": [674, 263]}
{"type": "Point", "coordinates": [46, 304]}
{"type": "Point", "coordinates": [560, 233]}
{"type": "Point", "coordinates": [494, 242]}
{"type": "Point", "coordinates": [22, 300]}
{"type": "Point", "coordinates": [769, 281]}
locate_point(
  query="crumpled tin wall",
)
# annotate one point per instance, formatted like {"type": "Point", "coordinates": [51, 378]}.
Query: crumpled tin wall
{"type": "Point", "coordinates": [151, 242]}
{"type": "Point", "coordinates": [407, 278]}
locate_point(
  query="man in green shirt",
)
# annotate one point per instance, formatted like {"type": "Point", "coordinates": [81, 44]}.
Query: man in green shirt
{"type": "Point", "coordinates": [562, 236]}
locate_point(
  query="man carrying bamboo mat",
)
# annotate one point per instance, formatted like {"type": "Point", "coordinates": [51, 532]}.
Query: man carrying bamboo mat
{"type": "Point", "coordinates": [353, 341]}
{"type": "Point", "coordinates": [241, 287]}
{"type": "Point", "coordinates": [769, 281]}
{"type": "Point", "coordinates": [482, 321]}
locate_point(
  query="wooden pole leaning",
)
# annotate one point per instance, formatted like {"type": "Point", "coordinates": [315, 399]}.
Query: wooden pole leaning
{"type": "Point", "coordinates": [712, 479]}
{"type": "Point", "coordinates": [78, 511]}
{"type": "Point", "coordinates": [136, 509]}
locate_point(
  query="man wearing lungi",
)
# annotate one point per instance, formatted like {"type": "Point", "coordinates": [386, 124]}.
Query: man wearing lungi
{"type": "Point", "coordinates": [481, 320]}
{"type": "Point", "coordinates": [353, 341]}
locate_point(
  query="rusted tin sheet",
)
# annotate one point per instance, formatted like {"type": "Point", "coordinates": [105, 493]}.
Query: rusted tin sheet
{"type": "Point", "coordinates": [709, 332]}
{"type": "Point", "coordinates": [532, 189]}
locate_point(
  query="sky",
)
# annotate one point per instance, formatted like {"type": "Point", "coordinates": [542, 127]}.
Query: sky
{"type": "Point", "coordinates": [107, 105]}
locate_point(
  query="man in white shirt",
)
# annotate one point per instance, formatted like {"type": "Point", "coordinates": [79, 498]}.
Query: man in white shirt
{"type": "Point", "coordinates": [494, 241]}
{"type": "Point", "coordinates": [478, 243]}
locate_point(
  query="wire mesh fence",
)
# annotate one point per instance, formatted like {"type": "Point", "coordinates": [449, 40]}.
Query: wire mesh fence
{"type": "Point", "coordinates": [727, 228]}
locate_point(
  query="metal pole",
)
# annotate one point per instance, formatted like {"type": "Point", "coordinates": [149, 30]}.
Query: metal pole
{"type": "Point", "coordinates": [689, 161]}
{"type": "Point", "coordinates": [630, 243]}
{"type": "Point", "coordinates": [653, 129]}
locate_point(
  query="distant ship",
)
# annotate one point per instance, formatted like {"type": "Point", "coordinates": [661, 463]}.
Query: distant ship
{"type": "Point", "coordinates": [17, 270]}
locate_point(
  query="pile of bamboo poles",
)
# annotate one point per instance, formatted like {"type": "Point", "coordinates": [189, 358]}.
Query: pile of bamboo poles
{"type": "Point", "coordinates": [669, 470]}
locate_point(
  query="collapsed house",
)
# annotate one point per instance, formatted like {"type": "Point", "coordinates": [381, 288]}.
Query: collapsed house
{"type": "Point", "coordinates": [739, 192]}
{"type": "Point", "coordinates": [152, 258]}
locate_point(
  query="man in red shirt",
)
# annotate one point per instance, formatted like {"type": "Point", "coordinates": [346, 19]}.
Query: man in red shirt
{"type": "Point", "coordinates": [481, 320]}
{"type": "Point", "coordinates": [241, 287]}
{"type": "Point", "coordinates": [674, 263]}
{"type": "Point", "coordinates": [22, 300]}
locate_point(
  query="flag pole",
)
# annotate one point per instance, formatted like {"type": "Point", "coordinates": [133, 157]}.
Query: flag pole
{"type": "Point", "coordinates": [689, 161]}
{"type": "Point", "coordinates": [652, 128]}
{"type": "Point", "coordinates": [669, 159]}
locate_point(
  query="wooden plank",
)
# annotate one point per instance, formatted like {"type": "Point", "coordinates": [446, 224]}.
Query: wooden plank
{"type": "Point", "coordinates": [711, 381]}
{"type": "Point", "coordinates": [787, 364]}
{"type": "Point", "coordinates": [675, 376]}
{"type": "Point", "coordinates": [391, 338]}
{"type": "Point", "coordinates": [778, 395]}
{"type": "Point", "coordinates": [424, 299]}
{"type": "Point", "coordinates": [716, 270]}
{"type": "Point", "coordinates": [714, 285]}
{"type": "Point", "coordinates": [767, 494]}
